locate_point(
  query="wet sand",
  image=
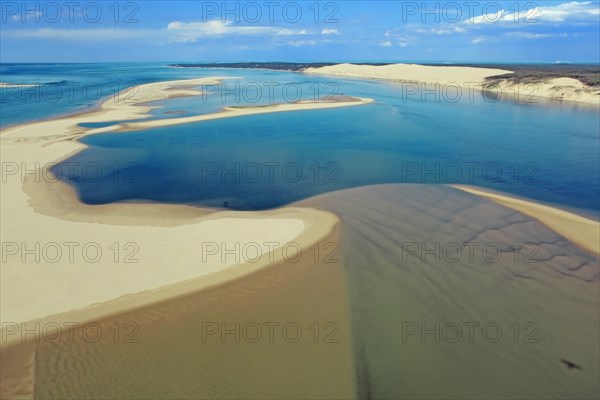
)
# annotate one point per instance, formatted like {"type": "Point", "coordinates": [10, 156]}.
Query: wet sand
{"type": "Point", "coordinates": [175, 356]}
{"type": "Point", "coordinates": [582, 231]}
{"type": "Point", "coordinates": [549, 288]}
{"type": "Point", "coordinates": [538, 302]}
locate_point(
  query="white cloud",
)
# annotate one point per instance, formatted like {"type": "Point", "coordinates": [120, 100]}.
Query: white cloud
{"type": "Point", "coordinates": [531, 35]}
{"type": "Point", "coordinates": [299, 43]}
{"type": "Point", "coordinates": [175, 32]}
{"type": "Point", "coordinates": [573, 11]}
{"type": "Point", "coordinates": [330, 32]}
{"type": "Point", "coordinates": [192, 31]}
{"type": "Point", "coordinates": [489, 18]}
{"type": "Point", "coordinates": [396, 36]}
{"type": "Point", "coordinates": [448, 30]}
{"type": "Point", "coordinates": [288, 32]}
{"type": "Point", "coordinates": [387, 43]}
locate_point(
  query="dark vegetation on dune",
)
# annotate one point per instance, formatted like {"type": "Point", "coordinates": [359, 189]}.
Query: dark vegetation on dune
{"type": "Point", "coordinates": [588, 74]}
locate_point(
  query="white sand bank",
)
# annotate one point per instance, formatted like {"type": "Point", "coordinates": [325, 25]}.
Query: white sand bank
{"type": "Point", "coordinates": [61, 256]}
{"type": "Point", "coordinates": [567, 89]}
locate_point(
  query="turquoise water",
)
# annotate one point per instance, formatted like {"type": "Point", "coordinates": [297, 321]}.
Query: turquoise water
{"type": "Point", "coordinates": [67, 88]}
{"type": "Point", "coordinates": [539, 151]}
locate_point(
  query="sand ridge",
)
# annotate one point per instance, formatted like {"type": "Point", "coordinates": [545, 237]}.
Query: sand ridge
{"type": "Point", "coordinates": [567, 89]}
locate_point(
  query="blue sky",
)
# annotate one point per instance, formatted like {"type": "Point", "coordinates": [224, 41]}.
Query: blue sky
{"type": "Point", "coordinates": [354, 31]}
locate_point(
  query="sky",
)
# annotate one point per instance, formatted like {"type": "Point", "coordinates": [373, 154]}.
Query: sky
{"type": "Point", "coordinates": [300, 31]}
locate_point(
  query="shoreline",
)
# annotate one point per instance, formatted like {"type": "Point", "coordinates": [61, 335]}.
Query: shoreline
{"type": "Point", "coordinates": [57, 200]}
{"type": "Point", "coordinates": [318, 226]}
{"type": "Point", "coordinates": [483, 79]}
{"type": "Point", "coordinates": [583, 232]}
{"type": "Point", "coordinates": [55, 208]}
{"type": "Point", "coordinates": [180, 301]}
{"type": "Point", "coordinates": [552, 282]}
{"type": "Point", "coordinates": [305, 292]}
{"type": "Point", "coordinates": [231, 111]}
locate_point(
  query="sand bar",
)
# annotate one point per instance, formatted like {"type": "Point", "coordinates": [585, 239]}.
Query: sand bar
{"type": "Point", "coordinates": [237, 112]}
{"type": "Point", "coordinates": [580, 230]}
{"type": "Point", "coordinates": [41, 218]}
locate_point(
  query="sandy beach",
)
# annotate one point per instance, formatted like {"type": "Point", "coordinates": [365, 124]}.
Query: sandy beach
{"type": "Point", "coordinates": [564, 89]}
{"type": "Point", "coordinates": [181, 360]}
{"type": "Point", "coordinates": [237, 112]}
{"type": "Point", "coordinates": [138, 272]}
{"type": "Point", "coordinates": [392, 200]}
{"type": "Point", "coordinates": [129, 276]}
{"type": "Point", "coordinates": [31, 197]}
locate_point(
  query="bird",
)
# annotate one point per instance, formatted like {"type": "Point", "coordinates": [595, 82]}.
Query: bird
{"type": "Point", "coordinates": [570, 364]}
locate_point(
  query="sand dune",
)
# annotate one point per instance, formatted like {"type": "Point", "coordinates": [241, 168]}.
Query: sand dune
{"type": "Point", "coordinates": [443, 75]}
{"type": "Point", "coordinates": [567, 89]}
{"type": "Point", "coordinates": [554, 89]}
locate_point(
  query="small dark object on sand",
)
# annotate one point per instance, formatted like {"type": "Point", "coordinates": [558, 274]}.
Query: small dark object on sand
{"type": "Point", "coordinates": [570, 364]}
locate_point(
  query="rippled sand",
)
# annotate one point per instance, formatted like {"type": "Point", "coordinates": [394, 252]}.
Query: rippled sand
{"type": "Point", "coordinates": [555, 290]}
{"type": "Point", "coordinates": [382, 295]}
{"type": "Point", "coordinates": [173, 359]}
